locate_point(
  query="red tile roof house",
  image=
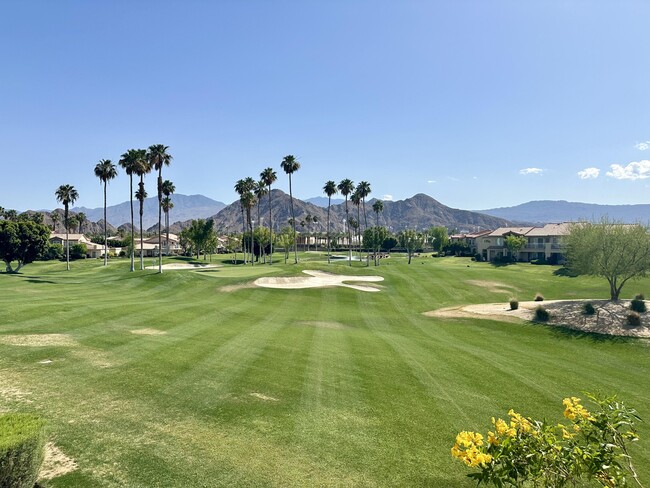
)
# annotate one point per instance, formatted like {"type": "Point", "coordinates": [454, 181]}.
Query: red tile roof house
{"type": "Point", "coordinates": [541, 242]}
{"type": "Point", "coordinates": [469, 239]}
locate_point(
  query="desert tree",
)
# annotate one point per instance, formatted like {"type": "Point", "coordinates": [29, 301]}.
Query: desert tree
{"type": "Point", "coordinates": [66, 195]}
{"type": "Point", "coordinates": [158, 157]}
{"type": "Point", "coordinates": [290, 165]}
{"type": "Point", "coordinates": [611, 250]}
{"type": "Point", "coordinates": [410, 240]}
{"type": "Point", "coordinates": [22, 241]}
{"type": "Point", "coordinates": [105, 170]}
{"type": "Point", "coordinates": [346, 187]}
{"type": "Point", "coordinates": [514, 244]}
{"type": "Point", "coordinates": [269, 176]}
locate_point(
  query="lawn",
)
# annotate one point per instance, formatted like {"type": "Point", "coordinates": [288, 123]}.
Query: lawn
{"type": "Point", "coordinates": [187, 379]}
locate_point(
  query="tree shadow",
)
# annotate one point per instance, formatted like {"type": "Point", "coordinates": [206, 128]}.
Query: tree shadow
{"type": "Point", "coordinates": [502, 264]}
{"type": "Point", "coordinates": [232, 262]}
{"type": "Point", "coordinates": [566, 272]}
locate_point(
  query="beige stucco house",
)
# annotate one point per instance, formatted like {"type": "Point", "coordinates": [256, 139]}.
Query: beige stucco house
{"type": "Point", "coordinates": [541, 242]}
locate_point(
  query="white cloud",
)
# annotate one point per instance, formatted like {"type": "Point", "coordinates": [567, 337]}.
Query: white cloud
{"type": "Point", "coordinates": [588, 173]}
{"type": "Point", "coordinates": [431, 181]}
{"type": "Point", "coordinates": [387, 197]}
{"type": "Point", "coordinates": [633, 171]}
{"type": "Point", "coordinates": [531, 171]}
{"type": "Point", "coordinates": [643, 146]}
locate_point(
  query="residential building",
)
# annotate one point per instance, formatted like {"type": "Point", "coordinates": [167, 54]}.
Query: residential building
{"type": "Point", "coordinates": [541, 242]}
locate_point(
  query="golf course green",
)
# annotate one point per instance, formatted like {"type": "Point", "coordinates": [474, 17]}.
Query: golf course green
{"type": "Point", "coordinates": [199, 378]}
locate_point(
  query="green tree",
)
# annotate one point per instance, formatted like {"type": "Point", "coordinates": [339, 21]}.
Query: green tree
{"type": "Point", "coordinates": [55, 220]}
{"type": "Point", "coordinates": [167, 188]}
{"type": "Point", "coordinates": [346, 187]}
{"type": "Point", "coordinates": [363, 189]}
{"type": "Point", "coordinates": [290, 165]}
{"type": "Point", "coordinates": [514, 244]}
{"type": "Point", "coordinates": [67, 195]}
{"type": "Point", "coordinates": [158, 157]}
{"type": "Point", "coordinates": [411, 241]}
{"type": "Point", "coordinates": [610, 250]}
{"type": "Point", "coordinates": [105, 170]}
{"type": "Point", "coordinates": [198, 234]}
{"type": "Point", "coordinates": [260, 191]}
{"type": "Point", "coordinates": [329, 189]}
{"type": "Point", "coordinates": [142, 167]}
{"type": "Point", "coordinates": [78, 251]}
{"type": "Point", "coordinates": [355, 198]}
{"type": "Point", "coordinates": [389, 243]}
{"type": "Point", "coordinates": [81, 220]}
{"type": "Point", "coordinates": [439, 237]}
{"type": "Point", "coordinates": [373, 238]}
{"type": "Point", "coordinates": [269, 177]}
{"type": "Point", "coordinates": [285, 239]}
{"type": "Point", "coordinates": [130, 161]}
{"type": "Point", "coordinates": [22, 241]}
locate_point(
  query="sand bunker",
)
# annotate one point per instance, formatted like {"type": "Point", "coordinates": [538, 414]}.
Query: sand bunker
{"type": "Point", "coordinates": [148, 332]}
{"type": "Point", "coordinates": [174, 266]}
{"type": "Point", "coordinates": [55, 463]}
{"type": "Point", "coordinates": [37, 340]}
{"type": "Point", "coordinates": [317, 279]}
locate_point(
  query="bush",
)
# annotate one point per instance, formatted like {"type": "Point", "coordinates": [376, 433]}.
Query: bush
{"type": "Point", "coordinates": [588, 309]}
{"type": "Point", "coordinates": [633, 319]}
{"type": "Point", "coordinates": [53, 251]}
{"type": "Point", "coordinates": [539, 297]}
{"type": "Point", "coordinates": [478, 258]}
{"type": "Point", "coordinates": [78, 251]}
{"type": "Point", "coordinates": [22, 437]}
{"type": "Point", "coordinates": [541, 314]}
{"type": "Point", "coordinates": [639, 297]}
{"type": "Point", "coordinates": [638, 305]}
{"type": "Point", "coordinates": [514, 304]}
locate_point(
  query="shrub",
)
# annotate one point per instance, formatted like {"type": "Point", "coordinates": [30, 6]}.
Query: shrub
{"type": "Point", "coordinates": [542, 314]}
{"type": "Point", "coordinates": [514, 304]}
{"type": "Point", "coordinates": [78, 251]}
{"type": "Point", "coordinates": [539, 297]}
{"type": "Point", "coordinates": [590, 445]}
{"type": "Point", "coordinates": [633, 319]}
{"type": "Point", "coordinates": [588, 309]}
{"type": "Point", "coordinates": [638, 305]}
{"type": "Point", "coordinates": [22, 437]}
{"type": "Point", "coordinates": [639, 296]}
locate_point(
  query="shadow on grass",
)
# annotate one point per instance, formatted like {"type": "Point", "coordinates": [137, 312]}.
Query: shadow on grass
{"type": "Point", "coordinates": [562, 331]}
{"type": "Point", "coordinates": [566, 272]}
{"type": "Point", "coordinates": [501, 264]}
{"type": "Point", "coordinates": [30, 279]}
{"type": "Point", "coordinates": [234, 262]}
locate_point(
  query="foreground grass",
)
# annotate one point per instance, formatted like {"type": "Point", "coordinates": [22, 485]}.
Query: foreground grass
{"type": "Point", "coordinates": [248, 386]}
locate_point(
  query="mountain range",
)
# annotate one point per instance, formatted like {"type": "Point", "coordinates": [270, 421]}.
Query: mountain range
{"type": "Point", "coordinates": [545, 211]}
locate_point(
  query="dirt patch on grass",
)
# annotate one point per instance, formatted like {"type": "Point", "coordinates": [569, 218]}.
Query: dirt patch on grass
{"type": "Point", "coordinates": [148, 331]}
{"type": "Point", "coordinates": [609, 319]}
{"type": "Point", "coordinates": [266, 398]}
{"type": "Point", "coordinates": [494, 286]}
{"type": "Point", "coordinates": [11, 393]}
{"type": "Point", "coordinates": [319, 279]}
{"type": "Point", "coordinates": [231, 288]}
{"type": "Point", "coordinates": [38, 340]}
{"type": "Point", "coordinates": [177, 266]}
{"type": "Point", "coordinates": [55, 463]}
{"type": "Point", "coordinates": [322, 324]}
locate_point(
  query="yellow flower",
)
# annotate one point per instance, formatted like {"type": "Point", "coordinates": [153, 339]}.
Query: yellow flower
{"type": "Point", "coordinates": [500, 426]}
{"type": "Point", "coordinates": [574, 410]}
{"type": "Point", "coordinates": [567, 435]}
{"type": "Point", "coordinates": [492, 439]}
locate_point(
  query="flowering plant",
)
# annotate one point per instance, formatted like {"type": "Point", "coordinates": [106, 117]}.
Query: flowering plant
{"type": "Point", "coordinates": [522, 452]}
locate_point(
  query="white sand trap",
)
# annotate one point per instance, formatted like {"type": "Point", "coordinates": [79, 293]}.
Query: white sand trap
{"type": "Point", "coordinates": [55, 463]}
{"type": "Point", "coordinates": [266, 398]}
{"type": "Point", "coordinates": [38, 340]}
{"type": "Point", "coordinates": [148, 332]}
{"type": "Point", "coordinates": [317, 279]}
{"type": "Point", "coordinates": [490, 310]}
{"type": "Point", "coordinates": [175, 266]}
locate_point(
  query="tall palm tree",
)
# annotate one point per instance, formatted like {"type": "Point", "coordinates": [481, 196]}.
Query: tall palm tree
{"type": "Point", "coordinates": [129, 161]}
{"type": "Point", "coordinates": [167, 188]}
{"type": "Point", "coordinates": [242, 187]}
{"type": "Point", "coordinates": [346, 187]}
{"type": "Point", "coordinates": [290, 165]}
{"type": "Point", "coordinates": [159, 157]}
{"type": "Point", "coordinates": [248, 202]}
{"type": "Point", "coordinates": [363, 188]}
{"type": "Point", "coordinates": [377, 207]}
{"type": "Point", "coordinates": [259, 191]}
{"type": "Point", "coordinates": [105, 170]}
{"type": "Point", "coordinates": [355, 198]}
{"type": "Point", "coordinates": [142, 167]}
{"type": "Point", "coordinates": [308, 221]}
{"type": "Point", "coordinates": [329, 189]}
{"type": "Point", "coordinates": [55, 219]}
{"type": "Point", "coordinates": [81, 219]}
{"type": "Point", "coordinates": [67, 195]}
{"type": "Point", "coordinates": [269, 177]}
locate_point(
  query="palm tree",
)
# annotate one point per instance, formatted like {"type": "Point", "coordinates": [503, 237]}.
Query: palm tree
{"type": "Point", "coordinates": [159, 157]}
{"type": "Point", "coordinates": [167, 188]}
{"type": "Point", "coordinates": [363, 188]}
{"type": "Point", "coordinates": [242, 187]}
{"type": "Point", "coordinates": [129, 161]}
{"type": "Point", "coordinates": [259, 191]}
{"type": "Point", "coordinates": [346, 187]}
{"type": "Point", "coordinates": [142, 167]}
{"type": "Point", "coordinates": [81, 218]}
{"type": "Point", "coordinates": [55, 219]}
{"type": "Point", "coordinates": [355, 198]}
{"type": "Point", "coordinates": [308, 220]}
{"type": "Point", "coordinates": [67, 195]}
{"type": "Point", "coordinates": [248, 201]}
{"type": "Point", "coordinates": [329, 189]}
{"type": "Point", "coordinates": [269, 177]}
{"type": "Point", "coordinates": [105, 170]}
{"type": "Point", "coordinates": [377, 207]}
{"type": "Point", "coordinates": [290, 165]}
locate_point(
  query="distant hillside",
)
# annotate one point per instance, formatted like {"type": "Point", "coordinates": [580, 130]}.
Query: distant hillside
{"type": "Point", "coordinates": [419, 212]}
{"type": "Point", "coordinates": [323, 201]}
{"type": "Point", "coordinates": [544, 211]}
{"type": "Point", "coordinates": [185, 207]}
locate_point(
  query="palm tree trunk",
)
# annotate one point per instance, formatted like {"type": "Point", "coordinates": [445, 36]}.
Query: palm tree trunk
{"type": "Point", "coordinates": [270, 229]}
{"type": "Point", "coordinates": [141, 236]}
{"type": "Point", "coordinates": [132, 227]}
{"type": "Point", "coordinates": [259, 225]}
{"type": "Point", "coordinates": [347, 222]}
{"type": "Point", "coordinates": [293, 217]}
{"type": "Point", "coordinates": [67, 241]}
{"type": "Point", "coordinates": [329, 249]}
{"type": "Point", "coordinates": [167, 229]}
{"type": "Point", "coordinates": [243, 231]}
{"type": "Point", "coordinates": [105, 230]}
{"type": "Point", "coordinates": [160, 219]}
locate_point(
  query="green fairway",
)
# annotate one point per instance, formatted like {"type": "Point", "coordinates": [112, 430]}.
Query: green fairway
{"type": "Point", "coordinates": [195, 378]}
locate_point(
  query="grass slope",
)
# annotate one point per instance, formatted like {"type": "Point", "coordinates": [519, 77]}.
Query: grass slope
{"type": "Point", "coordinates": [315, 387]}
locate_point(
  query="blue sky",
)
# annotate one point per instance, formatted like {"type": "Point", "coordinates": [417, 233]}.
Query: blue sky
{"type": "Point", "coordinates": [478, 104]}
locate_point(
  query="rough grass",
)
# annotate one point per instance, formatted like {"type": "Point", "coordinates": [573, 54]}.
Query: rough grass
{"type": "Point", "coordinates": [247, 387]}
